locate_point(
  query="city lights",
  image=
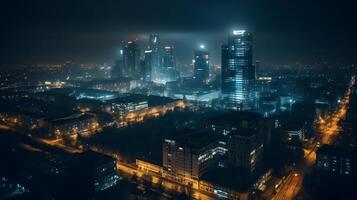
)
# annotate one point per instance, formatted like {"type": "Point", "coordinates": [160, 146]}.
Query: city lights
{"type": "Point", "coordinates": [162, 100]}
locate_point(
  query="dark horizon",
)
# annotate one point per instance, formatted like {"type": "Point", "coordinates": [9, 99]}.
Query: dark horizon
{"type": "Point", "coordinates": [91, 32]}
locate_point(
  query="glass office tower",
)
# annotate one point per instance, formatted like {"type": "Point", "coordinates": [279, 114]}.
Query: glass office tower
{"type": "Point", "coordinates": [131, 60]}
{"type": "Point", "coordinates": [155, 56]}
{"type": "Point", "coordinates": [201, 66]}
{"type": "Point", "coordinates": [238, 72]}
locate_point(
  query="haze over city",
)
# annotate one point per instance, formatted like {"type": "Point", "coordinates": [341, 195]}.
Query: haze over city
{"type": "Point", "coordinates": [91, 31]}
{"type": "Point", "coordinates": [203, 100]}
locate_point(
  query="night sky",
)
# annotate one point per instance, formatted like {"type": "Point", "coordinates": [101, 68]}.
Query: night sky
{"type": "Point", "coordinates": [90, 31]}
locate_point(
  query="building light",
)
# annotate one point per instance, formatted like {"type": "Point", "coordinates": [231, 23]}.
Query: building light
{"type": "Point", "coordinates": [238, 32]}
{"type": "Point", "coordinates": [170, 141]}
{"type": "Point", "coordinates": [220, 193]}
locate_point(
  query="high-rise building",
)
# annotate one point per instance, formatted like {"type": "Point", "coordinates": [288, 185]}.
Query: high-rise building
{"type": "Point", "coordinates": [155, 56]}
{"type": "Point", "coordinates": [257, 68]}
{"type": "Point", "coordinates": [248, 137]}
{"type": "Point", "coordinates": [131, 60]}
{"type": "Point", "coordinates": [201, 66]}
{"type": "Point", "coordinates": [118, 69]}
{"type": "Point", "coordinates": [168, 64]}
{"type": "Point", "coordinates": [238, 73]}
{"type": "Point", "coordinates": [148, 71]}
{"type": "Point", "coordinates": [191, 153]}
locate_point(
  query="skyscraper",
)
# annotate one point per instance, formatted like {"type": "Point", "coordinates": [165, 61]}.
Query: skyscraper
{"type": "Point", "coordinates": [118, 68]}
{"type": "Point", "coordinates": [238, 74]}
{"type": "Point", "coordinates": [148, 66]}
{"type": "Point", "coordinates": [154, 47]}
{"type": "Point", "coordinates": [131, 60]}
{"type": "Point", "coordinates": [201, 66]}
{"type": "Point", "coordinates": [169, 63]}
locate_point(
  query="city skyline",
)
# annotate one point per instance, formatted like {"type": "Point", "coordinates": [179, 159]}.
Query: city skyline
{"type": "Point", "coordinates": [181, 100]}
{"type": "Point", "coordinates": [285, 33]}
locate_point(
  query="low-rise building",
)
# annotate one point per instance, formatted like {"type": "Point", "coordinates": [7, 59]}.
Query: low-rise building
{"type": "Point", "coordinates": [100, 169]}
{"type": "Point", "coordinates": [84, 124]}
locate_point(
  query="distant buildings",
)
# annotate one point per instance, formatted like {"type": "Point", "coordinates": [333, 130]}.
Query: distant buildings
{"type": "Point", "coordinates": [123, 106]}
{"type": "Point", "coordinates": [238, 72]}
{"type": "Point", "coordinates": [169, 64]}
{"type": "Point", "coordinates": [154, 57]}
{"type": "Point", "coordinates": [118, 68]}
{"type": "Point", "coordinates": [77, 124]}
{"type": "Point", "coordinates": [122, 85]}
{"type": "Point", "coordinates": [148, 71]}
{"type": "Point", "coordinates": [131, 60]}
{"type": "Point", "coordinates": [201, 66]}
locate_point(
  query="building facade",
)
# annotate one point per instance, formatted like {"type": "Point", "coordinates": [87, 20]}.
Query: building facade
{"type": "Point", "coordinates": [81, 124]}
{"type": "Point", "coordinates": [191, 155]}
{"type": "Point", "coordinates": [155, 56]}
{"type": "Point", "coordinates": [247, 137]}
{"type": "Point", "coordinates": [334, 160]}
{"type": "Point", "coordinates": [238, 72]}
{"type": "Point", "coordinates": [201, 66]}
{"type": "Point", "coordinates": [168, 69]}
{"type": "Point", "coordinates": [131, 60]}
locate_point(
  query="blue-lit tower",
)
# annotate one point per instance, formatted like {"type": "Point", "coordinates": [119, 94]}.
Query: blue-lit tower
{"type": "Point", "coordinates": [155, 56]}
{"type": "Point", "coordinates": [168, 64]}
{"type": "Point", "coordinates": [238, 72]}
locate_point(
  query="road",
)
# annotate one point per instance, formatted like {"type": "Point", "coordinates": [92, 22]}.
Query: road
{"type": "Point", "coordinates": [290, 187]}
{"type": "Point", "coordinates": [130, 170]}
{"type": "Point", "coordinates": [327, 128]}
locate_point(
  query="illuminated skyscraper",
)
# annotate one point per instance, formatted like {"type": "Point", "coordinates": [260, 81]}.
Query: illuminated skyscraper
{"type": "Point", "coordinates": [201, 66]}
{"type": "Point", "coordinates": [131, 60]}
{"type": "Point", "coordinates": [169, 64]}
{"type": "Point", "coordinates": [155, 56]}
{"type": "Point", "coordinates": [148, 66]}
{"type": "Point", "coordinates": [118, 68]}
{"type": "Point", "coordinates": [238, 74]}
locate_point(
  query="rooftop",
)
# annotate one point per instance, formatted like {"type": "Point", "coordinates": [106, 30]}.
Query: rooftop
{"type": "Point", "coordinates": [195, 139]}
{"type": "Point", "coordinates": [230, 177]}
{"type": "Point", "coordinates": [71, 118]}
{"type": "Point", "coordinates": [234, 118]}
{"type": "Point", "coordinates": [152, 100]}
